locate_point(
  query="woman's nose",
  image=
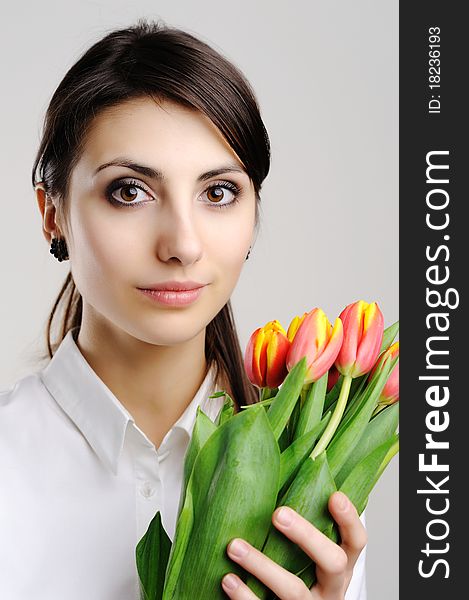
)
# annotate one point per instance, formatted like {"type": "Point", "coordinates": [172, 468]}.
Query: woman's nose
{"type": "Point", "coordinates": [178, 235]}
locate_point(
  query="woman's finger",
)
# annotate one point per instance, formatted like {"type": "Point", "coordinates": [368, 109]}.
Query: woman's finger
{"type": "Point", "coordinates": [331, 559]}
{"type": "Point", "coordinates": [284, 584]}
{"type": "Point", "coordinates": [352, 531]}
{"type": "Point", "coordinates": [237, 589]}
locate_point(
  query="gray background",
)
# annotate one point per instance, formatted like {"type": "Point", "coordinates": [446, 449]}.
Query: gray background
{"type": "Point", "coordinates": [326, 77]}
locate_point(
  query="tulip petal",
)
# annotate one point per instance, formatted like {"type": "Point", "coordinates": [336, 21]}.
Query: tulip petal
{"type": "Point", "coordinates": [300, 344]}
{"type": "Point", "coordinates": [351, 318]}
{"type": "Point", "coordinates": [370, 343]}
{"type": "Point", "coordinates": [252, 357]}
{"type": "Point", "coordinates": [294, 325]}
{"type": "Point", "coordinates": [323, 331]}
{"type": "Point", "coordinates": [276, 352]}
{"type": "Point", "coordinates": [327, 358]}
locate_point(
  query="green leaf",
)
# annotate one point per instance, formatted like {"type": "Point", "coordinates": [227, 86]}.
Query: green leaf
{"type": "Point", "coordinates": [388, 336]}
{"type": "Point", "coordinates": [284, 440]}
{"type": "Point", "coordinates": [233, 495]}
{"type": "Point", "coordinates": [378, 430]}
{"type": "Point", "coordinates": [184, 524]}
{"type": "Point", "coordinates": [152, 554]}
{"type": "Point", "coordinates": [266, 402]}
{"type": "Point", "coordinates": [218, 394]}
{"type": "Point", "coordinates": [201, 433]}
{"type": "Point", "coordinates": [226, 411]}
{"type": "Point", "coordinates": [363, 476]}
{"type": "Point", "coordinates": [284, 402]}
{"type": "Point", "coordinates": [203, 429]}
{"type": "Point", "coordinates": [292, 457]}
{"type": "Point", "coordinates": [292, 421]}
{"type": "Point", "coordinates": [309, 495]}
{"type": "Point", "coordinates": [333, 394]}
{"type": "Point", "coordinates": [311, 411]}
{"type": "Point", "coordinates": [351, 427]}
{"type": "Point", "coordinates": [267, 396]}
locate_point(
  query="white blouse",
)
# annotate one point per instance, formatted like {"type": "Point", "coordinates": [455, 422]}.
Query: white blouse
{"type": "Point", "coordinates": [80, 483]}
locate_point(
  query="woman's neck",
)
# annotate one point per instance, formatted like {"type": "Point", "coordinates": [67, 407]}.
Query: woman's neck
{"type": "Point", "coordinates": [154, 383]}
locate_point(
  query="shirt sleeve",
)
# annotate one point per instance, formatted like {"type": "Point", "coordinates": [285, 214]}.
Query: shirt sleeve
{"type": "Point", "coordinates": [357, 588]}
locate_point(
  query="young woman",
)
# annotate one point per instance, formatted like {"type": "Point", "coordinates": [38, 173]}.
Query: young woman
{"type": "Point", "coordinates": [148, 180]}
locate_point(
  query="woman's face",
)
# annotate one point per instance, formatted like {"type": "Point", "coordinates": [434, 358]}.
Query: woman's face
{"type": "Point", "coordinates": [146, 230]}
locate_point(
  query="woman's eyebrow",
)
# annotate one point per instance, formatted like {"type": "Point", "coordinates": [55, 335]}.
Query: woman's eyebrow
{"type": "Point", "coordinates": [158, 175]}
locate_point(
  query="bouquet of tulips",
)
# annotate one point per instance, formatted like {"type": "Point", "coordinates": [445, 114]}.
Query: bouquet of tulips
{"type": "Point", "coordinates": [326, 420]}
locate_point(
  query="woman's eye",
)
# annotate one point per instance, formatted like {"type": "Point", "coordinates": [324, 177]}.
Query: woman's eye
{"type": "Point", "coordinates": [125, 193]}
{"type": "Point", "coordinates": [222, 195]}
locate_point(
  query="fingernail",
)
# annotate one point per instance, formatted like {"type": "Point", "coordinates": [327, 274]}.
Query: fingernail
{"type": "Point", "coordinates": [284, 516]}
{"type": "Point", "coordinates": [238, 548]}
{"type": "Point", "coordinates": [230, 582]}
{"type": "Point", "coordinates": [342, 501]}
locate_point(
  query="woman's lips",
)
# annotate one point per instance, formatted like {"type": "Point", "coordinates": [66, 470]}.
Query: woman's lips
{"type": "Point", "coordinates": [173, 298]}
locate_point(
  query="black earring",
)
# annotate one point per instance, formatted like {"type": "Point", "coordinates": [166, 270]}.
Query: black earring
{"type": "Point", "coordinates": [249, 252]}
{"type": "Point", "coordinates": [59, 249]}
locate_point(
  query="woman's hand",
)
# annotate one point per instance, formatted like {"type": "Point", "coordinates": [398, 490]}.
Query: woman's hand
{"type": "Point", "coordinates": [334, 563]}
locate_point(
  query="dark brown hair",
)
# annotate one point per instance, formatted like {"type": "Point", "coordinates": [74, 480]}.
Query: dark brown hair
{"type": "Point", "coordinates": [151, 59]}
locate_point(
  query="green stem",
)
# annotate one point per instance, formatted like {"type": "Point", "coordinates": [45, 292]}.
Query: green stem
{"type": "Point", "coordinates": [267, 392]}
{"type": "Point", "coordinates": [335, 419]}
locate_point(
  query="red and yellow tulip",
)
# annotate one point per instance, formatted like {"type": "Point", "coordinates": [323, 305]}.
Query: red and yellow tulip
{"type": "Point", "coordinates": [363, 334]}
{"type": "Point", "coordinates": [390, 392]}
{"type": "Point", "coordinates": [314, 337]}
{"type": "Point", "coordinates": [265, 356]}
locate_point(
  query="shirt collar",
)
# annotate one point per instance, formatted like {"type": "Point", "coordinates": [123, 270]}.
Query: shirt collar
{"type": "Point", "coordinates": [96, 411]}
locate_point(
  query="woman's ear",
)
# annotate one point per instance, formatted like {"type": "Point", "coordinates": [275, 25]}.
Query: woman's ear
{"type": "Point", "coordinates": [47, 210]}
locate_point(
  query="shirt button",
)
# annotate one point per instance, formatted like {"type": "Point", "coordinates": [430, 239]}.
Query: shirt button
{"type": "Point", "coordinates": [147, 490]}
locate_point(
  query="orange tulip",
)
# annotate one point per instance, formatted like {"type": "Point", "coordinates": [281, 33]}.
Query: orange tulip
{"type": "Point", "coordinates": [264, 359]}
{"type": "Point", "coordinates": [363, 335]}
{"type": "Point", "coordinates": [316, 339]}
